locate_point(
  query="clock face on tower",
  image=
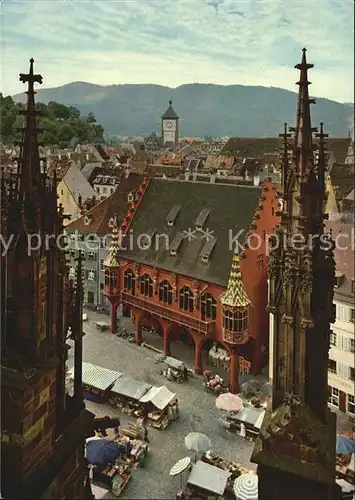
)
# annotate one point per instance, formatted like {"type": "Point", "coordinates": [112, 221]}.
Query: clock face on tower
{"type": "Point", "coordinates": [169, 125]}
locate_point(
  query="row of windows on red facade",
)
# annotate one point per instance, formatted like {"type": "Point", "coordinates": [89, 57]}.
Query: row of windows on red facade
{"type": "Point", "coordinates": [232, 320]}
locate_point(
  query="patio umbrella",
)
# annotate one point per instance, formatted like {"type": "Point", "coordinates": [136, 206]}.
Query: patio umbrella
{"type": "Point", "coordinates": [197, 442]}
{"type": "Point", "coordinates": [229, 402]}
{"type": "Point", "coordinates": [180, 467]}
{"type": "Point", "coordinates": [102, 451]}
{"type": "Point", "coordinates": [344, 445]}
{"type": "Point", "coordinates": [246, 487]}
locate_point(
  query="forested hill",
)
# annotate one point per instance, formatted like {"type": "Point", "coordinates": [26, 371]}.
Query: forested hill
{"type": "Point", "coordinates": [62, 124]}
{"type": "Point", "coordinates": [204, 109]}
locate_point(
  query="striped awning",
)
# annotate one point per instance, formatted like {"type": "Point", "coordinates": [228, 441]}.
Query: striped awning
{"type": "Point", "coordinates": [98, 377]}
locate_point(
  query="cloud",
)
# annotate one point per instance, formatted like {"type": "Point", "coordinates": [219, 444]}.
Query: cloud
{"type": "Point", "coordinates": [172, 42]}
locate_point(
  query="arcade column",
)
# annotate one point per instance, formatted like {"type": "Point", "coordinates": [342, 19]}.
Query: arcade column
{"type": "Point", "coordinates": [138, 325]}
{"type": "Point", "coordinates": [113, 316]}
{"type": "Point", "coordinates": [166, 331]}
{"type": "Point", "coordinates": [198, 364]}
{"type": "Point", "coordinates": [234, 386]}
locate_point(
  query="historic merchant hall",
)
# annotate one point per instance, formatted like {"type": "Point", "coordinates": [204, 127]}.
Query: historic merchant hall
{"type": "Point", "coordinates": [190, 258]}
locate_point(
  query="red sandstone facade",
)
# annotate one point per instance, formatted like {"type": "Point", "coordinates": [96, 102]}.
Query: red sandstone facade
{"type": "Point", "coordinates": [173, 300]}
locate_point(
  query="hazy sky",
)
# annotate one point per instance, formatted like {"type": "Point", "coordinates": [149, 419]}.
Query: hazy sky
{"type": "Point", "coordinates": [172, 42]}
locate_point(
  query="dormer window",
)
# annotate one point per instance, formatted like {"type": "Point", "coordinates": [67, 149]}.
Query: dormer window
{"type": "Point", "coordinates": [175, 244]}
{"type": "Point", "coordinates": [208, 249]}
{"type": "Point", "coordinates": [201, 218]}
{"type": "Point", "coordinates": [87, 220]}
{"type": "Point", "coordinates": [172, 215]}
{"type": "Point", "coordinates": [130, 198]}
{"type": "Point", "coordinates": [111, 222]}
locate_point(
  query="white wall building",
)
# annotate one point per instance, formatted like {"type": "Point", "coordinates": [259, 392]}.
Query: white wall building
{"type": "Point", "coordinates": [341, 374]}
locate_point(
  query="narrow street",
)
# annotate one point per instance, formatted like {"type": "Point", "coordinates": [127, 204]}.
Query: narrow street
{"type": "Point", "coordinates": [197, 412]}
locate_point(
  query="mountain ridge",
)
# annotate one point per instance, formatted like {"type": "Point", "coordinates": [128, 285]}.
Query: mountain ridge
{"type": "Point", "coordinates": [205, 109]}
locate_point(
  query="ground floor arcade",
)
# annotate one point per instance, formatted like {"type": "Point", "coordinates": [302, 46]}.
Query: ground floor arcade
{"type": "Point", "coordinates": [230, 362]}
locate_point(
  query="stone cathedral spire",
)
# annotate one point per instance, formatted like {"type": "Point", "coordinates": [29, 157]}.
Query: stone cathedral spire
{"type": "Point", "coordinates": [43, 428]}
{"type": "Point", "coordinates": [296, 447]}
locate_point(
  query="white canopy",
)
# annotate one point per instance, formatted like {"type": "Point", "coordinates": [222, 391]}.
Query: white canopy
{"type": "Point", "coordinates": [97, 376]}
{"type": "Point", "coordinates": [208, 477]}
{"type": "Point", "coordinates": [160, 397]}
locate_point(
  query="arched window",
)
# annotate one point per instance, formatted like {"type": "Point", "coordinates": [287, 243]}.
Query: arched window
{"type": "Point", "coordinates": [129, 283]}
{"type": "Point", "coordinates": [186, 299]}
{"type": "Point", "coordinates": [208, 306]}
{"type": "Point", "coordinates": [146, 285]}
{"type": "Point", "coordinates": [228, 323]}
{"type": "Point", "coordinates": [235, 321]}
{"type": "Point", "coordinates": [165, 292]}
{"type": "Point", "coordinates": [110, 279]}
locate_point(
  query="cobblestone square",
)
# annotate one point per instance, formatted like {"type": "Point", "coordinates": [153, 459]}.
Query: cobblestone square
{"type": "Point", "coordinates": [166, 446]}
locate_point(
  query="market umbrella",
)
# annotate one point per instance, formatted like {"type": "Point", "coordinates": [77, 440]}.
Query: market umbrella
{"type": "Point", "coordinates": [197, 442]}
{"type": "Point", "coordinates": [179, 467]}
{"type": "Point", "coordinates": [344, 445]}
{"type": "Point", "coordinates": [102, 451]}
{"type": "Point", "coordinates": [229, 402]}
{"type": "Point", "coordinates": [246, 487]}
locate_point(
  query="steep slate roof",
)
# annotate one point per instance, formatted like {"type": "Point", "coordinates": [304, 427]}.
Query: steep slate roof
{"type": "Point", "coordinates": [231, 208]}
{"type": "Point", "coordinates": [251, 147]}
{"type": "Point", "coordinates": [114, 205]}
{"type": "Point", "coordinates": [170, 112]}
{"type": "Point", "coordinates": [342, 180]}
{"type": "Point", "coordinates": [61, 167]}
{"type": "Point", "coordinates": [256, 147]}
{"type": "Point", "coordinates": [91, 170]}
{"type": "Point", "coordinates": [344, 259]}
{"type": "Point", "coordinates": [77, 184]}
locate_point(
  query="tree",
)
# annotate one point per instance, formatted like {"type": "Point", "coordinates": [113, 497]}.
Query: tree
{"type": "Point", "coordinates": [66, 132]}
{"type": "Point", "coordinates": [91, 118]}
{"type": "Point", "coordinates": [98, 131]}
{"type": "Point", "coordinates": [60, 123]}
{"type": "Point", "coordinates": [74, 113]}
{"type": "Point", "coordinates": [59, 111]}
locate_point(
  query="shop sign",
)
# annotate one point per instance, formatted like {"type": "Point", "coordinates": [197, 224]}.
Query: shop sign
{"type": "Point", "coordinates": [340, 383]}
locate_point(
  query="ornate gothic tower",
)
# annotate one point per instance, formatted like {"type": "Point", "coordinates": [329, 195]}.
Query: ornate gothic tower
{"type": "Point", "coordinates": [43, 429]}
{"type": "Point", "coordinates": [295, 452]}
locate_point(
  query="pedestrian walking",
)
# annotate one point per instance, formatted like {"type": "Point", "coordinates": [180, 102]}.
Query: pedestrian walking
{"type": "Point", "coordinates": [146, 439]}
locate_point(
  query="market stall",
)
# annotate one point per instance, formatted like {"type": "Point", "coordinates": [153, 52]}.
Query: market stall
{"type": "Point", "coordinates": [207, 482]}
{"type": "Point", "coordinates": [97, 381]}
{"type": "Point", "coordinates": [176, 369]}
{"type": "Point", "coordinates": [161, 406]}
{"type": "Point", "coordinates": [126, 394]}
{"type": "Point", "coordinates": [110, 463]}
{"type": "Point", "coordinates": [246, 422]}
{"type": "Point", "coordinates": [235, 469]}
